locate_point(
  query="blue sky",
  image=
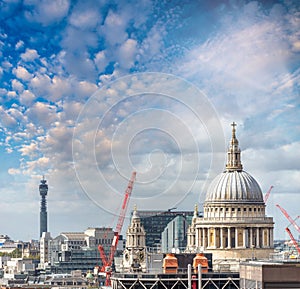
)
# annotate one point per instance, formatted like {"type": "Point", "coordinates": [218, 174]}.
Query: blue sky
{"type": "Point", "coordinates": [92, 90]}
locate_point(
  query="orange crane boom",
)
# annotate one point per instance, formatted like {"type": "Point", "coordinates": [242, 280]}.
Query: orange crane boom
{"type": "Point", "coordinates": [107, 262]}
{"type": "Point", "coordinates": [267, 195]}
{"type": "Point", "coordinates": [289, 218]}
{"type": "Point", "coordinates": [293, 240]}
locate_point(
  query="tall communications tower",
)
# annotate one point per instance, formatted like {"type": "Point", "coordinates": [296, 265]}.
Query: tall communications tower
{"type": "Point", "coordinates": [43, 213]}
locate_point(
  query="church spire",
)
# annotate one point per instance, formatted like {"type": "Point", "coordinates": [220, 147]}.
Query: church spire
{"type": "Point", "coordinates": [234, 153]}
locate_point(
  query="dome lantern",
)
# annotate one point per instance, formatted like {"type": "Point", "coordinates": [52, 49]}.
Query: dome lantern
{"type": "Point", "coordinates": [234, 153]}
{"type": "Point", "coordinates": [234, 184]}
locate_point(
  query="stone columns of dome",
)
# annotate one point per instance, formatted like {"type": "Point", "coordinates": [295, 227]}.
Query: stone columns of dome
{"type": "Point", "coordinates": [198, 237]}
{"type": "Point", "coordinates": [208, 237]}
{"type": "Point", "coordinates": [257, 238]}
{"type": "Point", "coordinates": [271, 237]}
{"type": "Point", "coordinates": [214, 241]}
{"type": "Point", "coordinates": [228, 238]}
{"type": "Point", "coordinates": [251, 237]}
{"type": "Point", "coordinates": [221, 238]}
{"type": "Point", "coordinates": [265, 235]}
{"type": "Point", "coordinates": [236, 237]}
{"type": "Point", "coordinates": [244, 237]}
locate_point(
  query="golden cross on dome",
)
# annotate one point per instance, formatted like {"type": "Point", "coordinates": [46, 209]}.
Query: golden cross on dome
{"type": "Point", "coordinates": [233, 125]}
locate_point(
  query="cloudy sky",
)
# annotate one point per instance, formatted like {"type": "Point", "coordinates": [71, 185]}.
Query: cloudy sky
{"type": "Point", "coordinates": [93, 90]}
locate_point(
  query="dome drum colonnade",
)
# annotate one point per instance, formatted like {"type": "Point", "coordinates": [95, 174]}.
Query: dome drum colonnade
{"type": "Point", "coordinates": [234, 221]}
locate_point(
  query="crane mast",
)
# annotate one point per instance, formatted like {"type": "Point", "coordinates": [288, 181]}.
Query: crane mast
{"type": "Point", "coordinates": [107, 262]}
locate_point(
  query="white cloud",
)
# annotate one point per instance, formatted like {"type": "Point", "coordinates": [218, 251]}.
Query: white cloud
{"type": "Point", "coordinates": [59, 88]}
{"type": "Point", "coordinates": [148, 132]}
{"type": "Point", "coordinates": [17, 85]}
{"type": "Point", "coordinates": [127, 53]}
{"type": "Point", "coordinates": [17, 114]}
{"type": "Point", "coordinates": [29, 150]}
{"type": "Point", "coordinates": [11, 94]}
{"type": "Point", "coordinates": [19, 44]}
{"type": "Point", "coordinates": [46, 12]}
{"type": "Point", "coordinates": [287, 154]}
{"type": "Point", "coordinates": [114, 28]}
{"type": "Point", "coordinates": [59, 140]}
{"type": "Point", "coordinates": [6, 65]}
{"type": "Point", "coordinates": [14, 171]}
{"type": "Point", "coordinates": [3, 91]}
{"type": "Point", "coordinates": [85, 16]}
{"type": "Point", "coordinates": [39, 165]}
{"type": "Point", "coordinates": [101, 61]}
{"type": "Point", "coordinates": [29, 55]}
{"type": "Point", "coordinates": [42, 114]}
{"type": "Point", "coordinates": [27, 97]}
{"type": "Point", "coordinates": [242, 65]}
{"type": "Point", "coordinates": [6, 119]}
{"type": "Point", "coordinates": [22, 73]}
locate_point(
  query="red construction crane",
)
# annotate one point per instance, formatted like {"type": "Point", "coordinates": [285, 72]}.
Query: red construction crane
{"type": "Point", "coordinates": [289, 218]}
{"type": "Point", "coordinates": [295, 243]}
{"type": "Point", "coordinates": [107, 262]}
{"type": "Point", "coordinates": [268, 194]}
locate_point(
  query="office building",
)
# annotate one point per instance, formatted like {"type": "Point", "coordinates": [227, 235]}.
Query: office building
{"type": "Point", "coordinates": [154, 223]}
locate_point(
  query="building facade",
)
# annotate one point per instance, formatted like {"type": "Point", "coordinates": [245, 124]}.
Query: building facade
{"type": "Point", "coordinates": [79, 250]}
{"type": "Point", "coordinates": [174, 236]}
{"type": "Point", "coordinates": [44, 250]}
{"type": "Point", "coordinates": [155, 222]}
{"type": "Point", "coordinates": [234, 224]}
{"type": "Point", "coordinates": [135, 253]}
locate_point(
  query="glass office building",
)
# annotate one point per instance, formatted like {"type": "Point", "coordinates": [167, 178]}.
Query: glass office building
{"type": "Point", "coordinates": [155, 222]}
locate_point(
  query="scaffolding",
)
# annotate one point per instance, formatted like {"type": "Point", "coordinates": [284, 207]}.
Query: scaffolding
{"type": "Point", "coordinates": [176, 281]}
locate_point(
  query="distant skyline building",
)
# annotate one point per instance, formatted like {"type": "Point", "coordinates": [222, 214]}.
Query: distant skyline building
{"type": "Point", "coordinates": [174, 236]}
{"type": "Point", "coordinates": [71, 251]}
{"type": "Point", "coordinates": [43, 188]}
{"type": "Point", "coordinates": [44, 249]}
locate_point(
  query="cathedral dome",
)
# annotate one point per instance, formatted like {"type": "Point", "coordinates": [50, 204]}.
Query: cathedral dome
{"type": "Point", "coordinates": [234, 185]}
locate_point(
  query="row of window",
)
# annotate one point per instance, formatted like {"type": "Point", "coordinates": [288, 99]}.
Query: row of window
{"type": "Point", "coordinates": [98, 241]}
{"type": "Point", "coordinates": [233, 209]}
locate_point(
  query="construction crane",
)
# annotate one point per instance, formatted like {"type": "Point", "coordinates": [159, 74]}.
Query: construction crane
{"type": "Point", "coordinates": [107, 261]}
{"type": "Point", "coordinates": [295, 243]}
{"type": "Point", "coordinates": [268, 194]}
{"type": "Point", "coordinates": [293, 222]}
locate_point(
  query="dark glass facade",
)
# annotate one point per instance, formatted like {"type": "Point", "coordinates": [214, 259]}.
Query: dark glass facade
{"type": "Point", "coordinates": [154, 223]}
